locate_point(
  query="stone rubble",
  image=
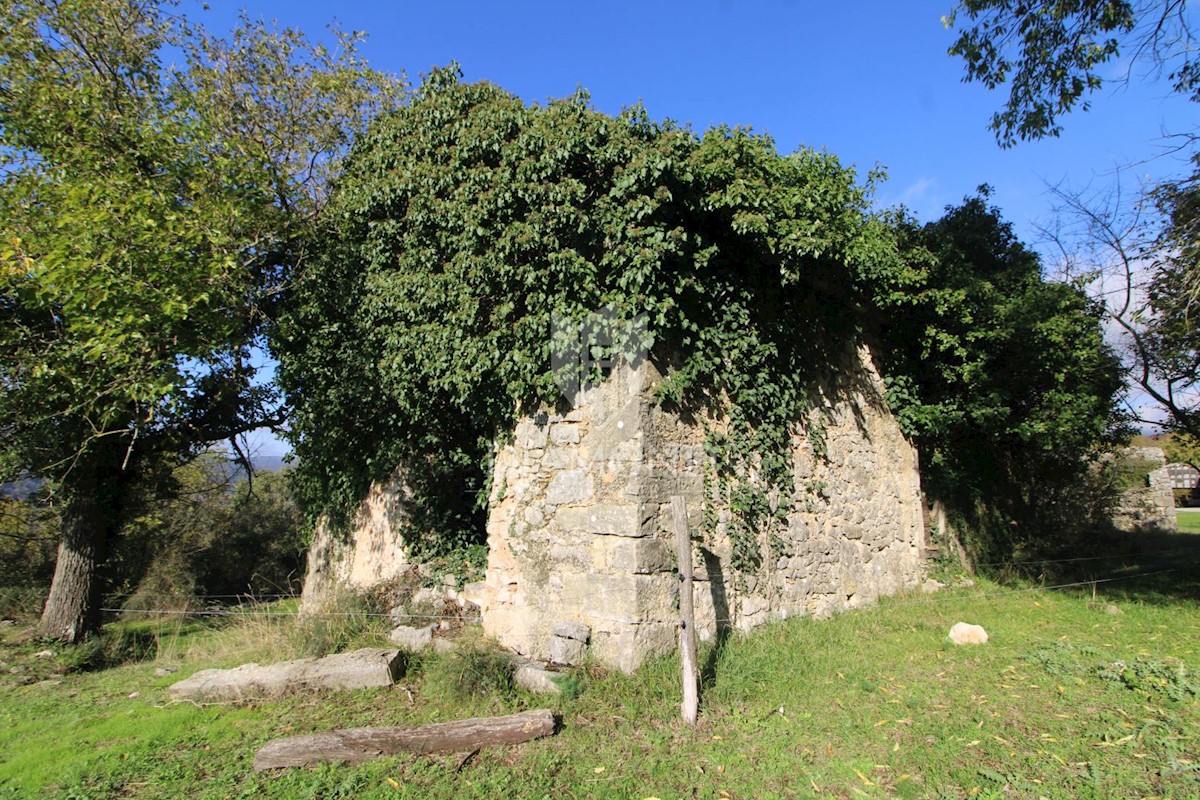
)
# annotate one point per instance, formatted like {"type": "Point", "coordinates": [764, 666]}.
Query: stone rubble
{"type": "Point", "coordinates": [414, 640]}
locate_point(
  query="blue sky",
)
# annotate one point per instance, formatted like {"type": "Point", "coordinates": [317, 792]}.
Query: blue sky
{"type": "Point", "coordinates": [868, 81]}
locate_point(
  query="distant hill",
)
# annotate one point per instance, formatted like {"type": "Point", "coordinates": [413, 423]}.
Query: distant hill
{"type": "Point", "coordinates": [22, 489]}
{"type": "Point", "coordinates": [268, 463]}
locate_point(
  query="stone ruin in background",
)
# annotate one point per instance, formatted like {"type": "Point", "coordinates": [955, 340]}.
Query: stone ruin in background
{"type": "Point", "coordinates": [581, 556]}
{"type": "Point", "coordinates": [1150, 507]}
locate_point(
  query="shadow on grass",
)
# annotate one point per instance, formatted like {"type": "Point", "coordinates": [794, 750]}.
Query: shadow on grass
{"type": "Point", "coordinates": [1153, 566]}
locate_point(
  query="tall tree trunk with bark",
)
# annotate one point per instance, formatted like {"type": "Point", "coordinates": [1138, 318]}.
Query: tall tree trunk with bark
{"type": "Point", "coordinates": [72, 610]}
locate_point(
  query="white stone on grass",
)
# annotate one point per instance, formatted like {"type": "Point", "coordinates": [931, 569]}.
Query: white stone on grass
{"type": "Point", "coordinates": [965, 633]}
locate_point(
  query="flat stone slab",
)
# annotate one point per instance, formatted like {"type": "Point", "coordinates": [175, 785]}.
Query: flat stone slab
{"type": "Point", "coordinates": [360, 669]}
{"type": "Point", "coordinates": [532, 676]}
{"type": "Point", "coordinates": [413, 639]}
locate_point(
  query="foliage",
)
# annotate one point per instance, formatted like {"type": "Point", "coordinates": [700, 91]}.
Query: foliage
{"type": "Point", "coordinates": [1153, 677]}
{"type": "Point", "coordinates": [476, 670]}
{"type": "Point", "coordinates": [156, 180]}
{"type": "Point", "coordinates": [210, 536]}
{"type": "Point", "coordinates": [467, 221]}
{"type": "Point", "coordinates": [1173, 300]}
{"type": "Point", "coordinates": [28, 536]}
{"type": "Point", "coordinates": [1182, 447]}
{"type": "Point", "coordinates": [1003, 378]}
{"type": "Point", "coordinates": [1052, 53]}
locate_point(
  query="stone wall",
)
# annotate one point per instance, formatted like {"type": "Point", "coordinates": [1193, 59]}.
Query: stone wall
{"type": "Point", "coordinates": [579, 522]}
{"type": "Point", "coordinates": [1150, 507]}
{"type": "Point", "coordinates": [368, 553]}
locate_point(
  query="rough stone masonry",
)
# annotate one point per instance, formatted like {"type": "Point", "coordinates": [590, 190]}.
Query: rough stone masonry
{"type": "Point", "coordinates": [579, 527]}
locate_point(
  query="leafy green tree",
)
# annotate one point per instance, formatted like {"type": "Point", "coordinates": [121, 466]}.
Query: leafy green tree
{"type": "Point", "coordinates": [1182, 447]}
{"type": "Point", "coordinates": [1051, 53]}
{"type": "Point", "coordinates": [1002, 377]}
{"type": "Point", "coordinates": [156, 181]}
{"type": "Point", "coordinates": [212, 535]}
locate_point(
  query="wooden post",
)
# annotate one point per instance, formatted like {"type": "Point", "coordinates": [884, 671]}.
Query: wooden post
{"type": "Point", "coordinates": [687, 613]}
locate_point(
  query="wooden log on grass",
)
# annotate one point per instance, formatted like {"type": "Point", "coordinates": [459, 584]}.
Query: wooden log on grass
{"type": "Point", "coordinates": [355, 745]}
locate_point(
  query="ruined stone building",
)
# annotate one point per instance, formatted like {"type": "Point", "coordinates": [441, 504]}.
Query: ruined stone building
{"type": "Point", "coordinates": [579, 525]}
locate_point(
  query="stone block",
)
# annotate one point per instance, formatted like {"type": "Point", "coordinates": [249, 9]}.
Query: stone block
{"type": "Point", "coordinates": [640, 556]}
{"type": "Point", "coordinates": [360, 669]}
{"type": "Point", "coordinates": [572, 630]}
{"type": "Point", "coordinates": [567, 651]}
{"type": "Point", "coordinates": [609, 519]}
{"type": "Point", "coordinates": [557, 458]}
{"type": "Point", "coordinates": [569, 486]}
{"type": "Point", "coordinates": [531, 435]}
{"type": "Point", "coordinates": [413, 640]}
{"type": "Point", "coordinates": [565, 433]}
{"type": "Point", "coordinates": [532, 676]}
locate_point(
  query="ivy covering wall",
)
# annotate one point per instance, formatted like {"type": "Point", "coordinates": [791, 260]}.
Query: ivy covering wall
{"type": "Point", "coordinates": [468, 220]}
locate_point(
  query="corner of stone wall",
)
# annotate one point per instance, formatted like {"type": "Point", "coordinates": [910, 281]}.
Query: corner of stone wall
{"type": "Point", "coordinates": [370, 551]}
{"type": "Point", "coordinates": [571, 538]}
{"type": "Point", "coordinates": [579, 521]}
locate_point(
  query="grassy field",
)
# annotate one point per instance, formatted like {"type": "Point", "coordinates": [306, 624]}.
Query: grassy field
{"type": "Point", "coordinates": [1189, 521]}
{"type": "Point", "coordinates": [1081, 692]}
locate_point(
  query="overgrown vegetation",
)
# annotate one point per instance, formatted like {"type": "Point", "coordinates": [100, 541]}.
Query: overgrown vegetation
{"type": "Point", "coordinates": [466, 222]}
{"type": "Point", "coordinates": [1005, 383]}
{"type": "Point", "coordinates": [203, 536]}
{"type": "Point", "coordinates": [157, 181]}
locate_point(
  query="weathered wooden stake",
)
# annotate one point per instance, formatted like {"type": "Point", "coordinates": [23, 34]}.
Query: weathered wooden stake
{"type": "Point", "coordinates": [687, 613]}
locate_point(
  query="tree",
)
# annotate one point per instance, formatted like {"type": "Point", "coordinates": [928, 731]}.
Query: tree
{"type": "Point", "coordinates": [1050, 53]}
{"type": "Point", "coordinates": [152, 214]}
{"type": "Point", "coordinates": [1112, 243]}
{"type": "Point", "coordinates": [1002, 378]}
{"type": "Point", "coordinates": [214, 536]}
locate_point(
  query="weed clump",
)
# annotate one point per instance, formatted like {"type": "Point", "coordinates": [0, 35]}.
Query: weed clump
{"type": "Point", "coordinates": [1168, 677]}
{"type": "Point", "coordinates": [112, 647]}
{"type": "Point", "coordinates": [474, 672]}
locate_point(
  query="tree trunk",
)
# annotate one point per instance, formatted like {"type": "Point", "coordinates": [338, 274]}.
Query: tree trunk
{"type": "Point", "coordinates": [71, 610]}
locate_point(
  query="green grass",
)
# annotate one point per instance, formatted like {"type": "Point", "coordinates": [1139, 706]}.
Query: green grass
{"type": "Point", "coordinates": [1189, 521]}
{"type": "Point", "coordinates": [1074, 696]}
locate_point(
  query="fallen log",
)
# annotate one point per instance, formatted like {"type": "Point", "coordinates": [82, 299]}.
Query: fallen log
{"type": "Point", "coordinates": [355, 745]}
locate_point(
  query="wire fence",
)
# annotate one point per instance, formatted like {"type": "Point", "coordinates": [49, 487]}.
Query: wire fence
{"type": "Point", "coordinates": [262, 604]}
